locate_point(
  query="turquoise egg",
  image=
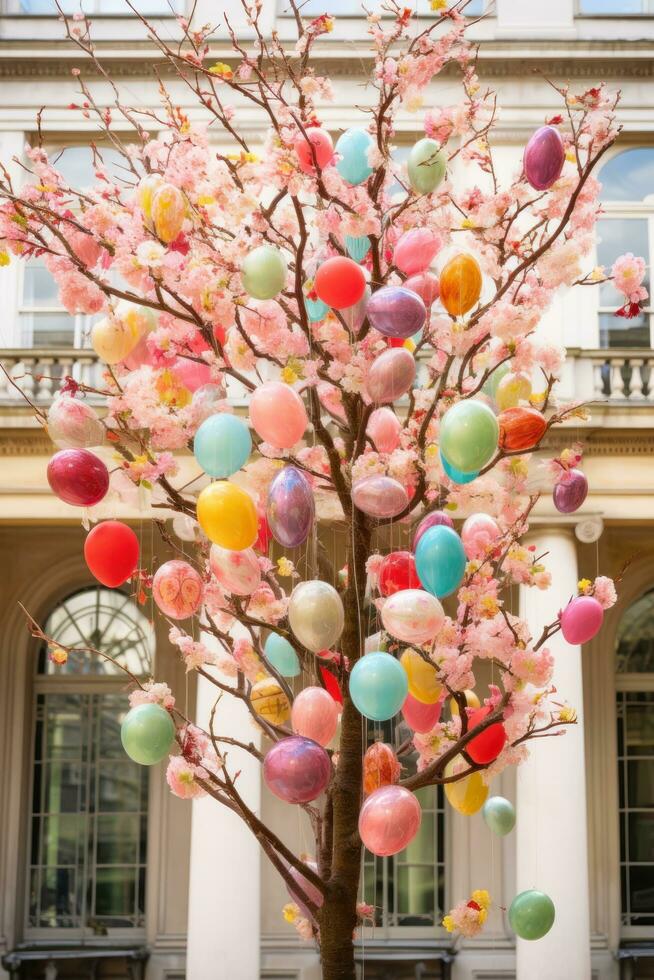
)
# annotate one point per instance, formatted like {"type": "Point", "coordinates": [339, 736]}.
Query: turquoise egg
{"type": "Point", "coordinates": [316, 309]}
{"type": "Point", "coordinates": [440, 560]}
{"type": "Point", "coordinates": [353, 148]}
{"type": "Point", "coordinates": [357, 247]}
{"type": "Point", "coordinates": [455, 475]}
{"type": "Point", "coordinates": [147, 734]}
{"type": "Point", "coordinates": [281, 655]}
{"type": "Point", "coordinates": [378, 686]}
{"type": "Point", "coordinates": [222, 445]}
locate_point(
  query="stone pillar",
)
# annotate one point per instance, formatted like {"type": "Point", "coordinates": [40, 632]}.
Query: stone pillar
{"type": "Point", "coordinates": [225, 881]}
{"type": "Point", "coordinates": [12, 144]}
{"type": "Point", "coordinates": [551, 830]}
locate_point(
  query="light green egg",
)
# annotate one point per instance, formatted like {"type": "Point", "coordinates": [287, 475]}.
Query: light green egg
{"type": "Point", "coordinates": [263, 272]}
{"type": "Point", "coordinates": [427, 166]}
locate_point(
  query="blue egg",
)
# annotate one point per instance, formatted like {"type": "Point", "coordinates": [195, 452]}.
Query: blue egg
{"type": "Point", "coordinates": [281, 655]}
{"type": "Point", "coordinates": [499, 815]}
{"type": "Point", "coordinates": [440, 560]}
{"type": "Point", "coordinates": [353, 148]}
{"type": "Point", "coordinates": [357, 247]}
{"type": "Point", "coordinates": [222, 445]}
{"type": "Point", "coordinates": [456, 475]}
{"type": "Point", "coordinates": [316, 309]}
{"type": "Point", "coordinates": [378, 686]}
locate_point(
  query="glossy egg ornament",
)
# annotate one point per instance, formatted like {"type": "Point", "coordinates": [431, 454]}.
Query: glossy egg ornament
{"type": "Point", "coordinates": [316, 309]}
{"type": "Point", "coordinates": [397, 572]}
{"type": "Point", "coordinates": [460, 284]}
{"type": "Point", "coordinates": [425, 284]}
{"type": "Point", "coordinates": [269, 700]}
{"type": "Point", "coordinates": [263, 272]}
{"type": "Point", "coordinates": [469, 434]}
{"type": "Point", "coordinates": [237, 572]}
{"type": "Point", "coordinates": [570, 492]}
{"type": "Point", "coordinates": [486, 746]}
{"type": "Point", "coordinates": [313, 146]}
{"type": "Point", "coordinates": [413, 616]}
{"type": "Point", "coordinates": [354, 316]}
{"type": "Point", "coordinates": [581, 619]}
{"type": "Point", "coordinates": [73, 424]}
{"type": "Point", "coordinates": [381, 767]}
{"type": "Point", "coordinates": [468, 794]}
{"type": "Point", "coordinates": [78, 477]}
{"type": "Point", "coordinates": [280, 654]}
{"type": "Point", "coordinates": [512, 389]}
{"type": "Point", "coordinates": [390, 375]}
{"type": "Point", "coordinates": [378, 685]}
{"type": "Point", "coordinates": [222, 445]}
{"type": "Point", "coordinates": [315, 615]}
{"type": "Point", "coordinates": [352, 148]}
{"type": "Point", "coordinates": [424, 684]}
{"type": "Point", "coordinates": [389, 820]}
{"type": "Point", "coordinates": [456, 476]}
{"type": "Point", "coordinates": [499, 815]}
{"type": "Point", "coordinates": [415, 250]}
{"type": "Point", "coordinates": [440, 560]}
{"type": "Point", "coordinates": [315, 715]}
{"type": "Point", "coordinates": [521, 428]}
{"type": "Point", "coordinates": [357, 246]}
{"type": "Point", "coordinates": [291, 509]}
{"type": "Point", "coordinates": [384, 429]}
{"type": "Point", "coordinates": [340, 282]}
{"type": "Point", "coordinates": [379, 496]}
{"type": "Point", "coordinates": [544, 157]}
{"type": "Point", "coordinates": [434, 519]}
{"type": "Point", "coordinates": [113, 339]}
{"type": "Point", "coordinates": [277, 414]}
{"type": "Point", "coordinates": [420, 716]}
{"type": "Point", "coordinates": [227, 515]}
{"type": "Point", "coordinates": [472, 701]}
{"type": "Point", "coordinates": [427, 166]}
{"type": "Point", "coordinates": [111, 551]}
{"type": "Point", "coordinates": [296, 769]}
{"type": "Point", "coordinates": [305, 887]}
{"type": "Point", "coordinates": [532, 914]}
{"type": "Point", "coordinates": [177, 589]}
{"type": "Point", "coordinates": [396, 311]}
{"type": "Point", "coordinates": [147, 734]}
{"type": "Point", "coordinates": [167, 212]}
{"type": "Point", "coordinates": [479, 534]}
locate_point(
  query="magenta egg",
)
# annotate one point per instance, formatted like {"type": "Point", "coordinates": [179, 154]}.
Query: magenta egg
{"type": "Point", "coordinates": [544, 158]}
{"type": "Point", "coordinates": [177, 589]}
{"type": "Point", "coordinates": [570, 493]}
{"type": "Point", "coordinates": [291, 509]}
{"type": "Point", "coordinates": [78, 477]}
{"type": "Point", "coordinates": [379, 496]}
{"type": "Point", "coordinates": [384, 429]}
{"type": "Point", "coordinates": [396, 311]}
{"type": "Point", "coordinates": [315, 715]}
{"type": "Point", "coordinates": [296, 769]}
{"type": "Point", "coordinates": [431, 520]}
{"type": "Point", "coordinates": [415, 250]}
{"type": "Point", "coordinates": [420, 716]}
{"type": "Point", "coordinates": [425, 285]}
{"type": "Point", "coordinates": [478, 534]}
{"type": "Point", "coordinates": [581, 619]}
{"type": "Point", "coordinates": [312, 893]}
{"type": "Point", "coordinates": [389, 820]}
{"type": "Point", "coordinates": [390, 375]}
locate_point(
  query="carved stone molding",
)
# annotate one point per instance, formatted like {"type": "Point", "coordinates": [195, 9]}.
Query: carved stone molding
{"type": "Point", "coordinates": [603, 442]}
{"type": "Point", "coordinates": [24, 443]}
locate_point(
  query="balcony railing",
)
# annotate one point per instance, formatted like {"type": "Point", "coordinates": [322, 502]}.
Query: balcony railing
{"type": "Point", "coordinates": [40, 373]}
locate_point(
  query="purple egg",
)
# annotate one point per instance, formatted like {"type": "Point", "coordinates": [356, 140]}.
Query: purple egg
{"type": "Point", "coordinates": [296, 769]}
{"type": "Point", "coordinates": [379, 496]}
{"type": "Point", "coordinates": [291, 509]}
{"type": "Point", "coordinates": [396, 311]}
{"type": "Point", "coordinates": [78, 477]}
{"type": "Point", "coordinates": [570, 493]}
{"type": "Point", "coordinates": [431, 520]}
{"type": "Point", "coordinates": [390, 375]}
{"type": "Point", "coordinates": [544, 158]}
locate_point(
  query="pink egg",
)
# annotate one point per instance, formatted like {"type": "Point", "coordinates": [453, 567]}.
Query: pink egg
{"type": "Point", "coordinates": [581, 619]}
{"type": "Point", "coordinates": [415, 250]}
{"type": "Point", "coordinates": [379, 496]}
{"type": "Point", "coordinates": [419, 716]}
{"type": "Point", "coordinates": [384, 429]}
{"type": "Point", "coordinates": [389, 820]}
{"type": "Point", "coordinates": [237, 572]}
{"type": "Point", "coordinates": [478, 534]}
{"type": "Point", "coordinates": [312, 893]}
{"type": "Point", "coordinates": [323, 149]}
{"type": "Point", "coordinates": [425, 285]}
{"type": "Point", "coordinates": [177, 589]}
{"type": "Point", "coordinates": [277, 414]}
{"type": "Point", "coordinates": [315, 715]}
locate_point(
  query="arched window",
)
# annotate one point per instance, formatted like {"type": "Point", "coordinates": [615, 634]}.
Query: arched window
{"type": "Point", "coordinates": [635, 718]}
{"type": "Point", "coordinates": [88, 813]}
{"type": "Point", "coordinates": [628, 226]}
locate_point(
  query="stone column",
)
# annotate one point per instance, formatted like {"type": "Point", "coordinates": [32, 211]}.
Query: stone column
{"type": "Point", "coordinates": [551, 830]}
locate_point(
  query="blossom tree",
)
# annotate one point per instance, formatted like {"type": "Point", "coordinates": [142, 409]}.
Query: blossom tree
{"type": "Point", "coordinates": [381, 320]}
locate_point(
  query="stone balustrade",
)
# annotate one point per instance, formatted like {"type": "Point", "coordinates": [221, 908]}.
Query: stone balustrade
{"type": "Point", "coordinates": [40, 373]}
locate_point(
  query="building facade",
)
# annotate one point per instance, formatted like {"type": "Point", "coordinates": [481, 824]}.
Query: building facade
{"type": "Point", "coordinates": [96, 854]}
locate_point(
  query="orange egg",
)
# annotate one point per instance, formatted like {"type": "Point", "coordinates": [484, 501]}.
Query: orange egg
{"type": "Point", "coordinates": [520, 428]}
{"type": "Point", "coordinates": [460, 284]}
{"type": "Point", "coordinates": [380, 767]}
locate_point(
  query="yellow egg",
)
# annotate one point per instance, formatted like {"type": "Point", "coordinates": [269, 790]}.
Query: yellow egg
{"type": "Point", "coordinates": [466, 795]}
{"type": "Point", "coordinates": [460, 284]}
{"type": "Point", "coordinates": [168, 211]}
{"type": "Point", "coordinates": [472, 701]}
{"type": "Point", "coordinates": [113, 339]}
{"type": "Point", "coordinates": [145, 191]}
{"type": "Point", "coordinates": [227, 515]}
{"type": "Point", "coordinates": [423, 679]}
{"type": "Point", "coordinates": [270, 702]}
{"type": "Point", "coordinates": [512, 389]}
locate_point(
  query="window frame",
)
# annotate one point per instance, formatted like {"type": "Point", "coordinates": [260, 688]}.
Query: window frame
{"type": "Point", "coordinates": [106, 16]}
{"type": "Point", "coordinates": [284, 13]}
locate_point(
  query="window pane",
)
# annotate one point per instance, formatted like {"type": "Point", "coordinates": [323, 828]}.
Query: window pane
{"type": "Point", "coordinates": [119, 787]}
{"type": "Point", "coordinates": [615, 237]}
{"type": "Point", "coordinates": [115, 892]}
{"type": "Point", "coordinates": [629, 176]}
{"type": "Point", "coordinates": [640, 730]}
{"type": "Point", "coordinates": [49, 7]}
{"type": "Point", "coordinates": [39, 288]}
{"type": "Point", "coordinates": [635, 639]}
{"type": "Point", "coordinates": [47, 330]}
{"type": "Point", "coordinates": [641, 894]}
{"type": "Point", "coordinates": [641, 837]}
{"type": "Point", "coordinates": [354, 8]}
{"type": "Point", "coordinates": [640, 784]}
{"type": "Point", "coordinates": [117, 839]}
{"type": "Point", "coordinates": [415, 886]}
{"type": "Point", "coordinates": [613, 6]}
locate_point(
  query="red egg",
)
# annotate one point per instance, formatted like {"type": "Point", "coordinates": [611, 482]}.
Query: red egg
{"type": "Point", "coordinates": [340, 282]}
{"type": "Point", "coordinates": [264, 535]}
{"type": "Point", "coordinates": [398, 572]}
{"type": "Point", "coordinates": [111, 551]}
{"type": "Point", "coordinates": [323, 149]}
{"type": "Point", "coordinates": [331, 684]}
{"type": "Point", "coordinates": [486, 747]}
{"type": "Point", "coordinates": [78, 477]}
{"type": "Point", "coordinates": [520, 428]}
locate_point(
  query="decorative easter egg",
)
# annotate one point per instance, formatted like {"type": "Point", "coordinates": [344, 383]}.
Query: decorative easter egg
{"type": "Point", "coordinates": [315, 715]}
{"type": "Point", "coordinates": [354, 316]}
{"type": "Point", "coordinates": [581, 619]}
{"type": "Point", "coordinates": [469, 434]}
{"type": "Point", "coordinates": [419, 715]}
{"type": "Point", "coordinates": [472, 701]}
{"type": "Point", "coordinates": [389, 820]}
{"type": "Point", "coordinates": [207, 398]}
{"type": "Point", "coordinates": [396, 311]}
{"type": "Point", "coordinates": [440, 560]}
{"type": "Point", "coordinates": [78, 477]}
{"type": "Point", "coordinates": [512, 389]}
{"type": "Point", "coordinates": [303, 886]}
{"type": "Point", "coordinates": [456, 476]}
{"type": "Point", "coordinates": [460, 284]}
{"type": "Point", "coordinates": [492, 383]}
{"type": "Point", "coordinates": [264, 534]}
{"type": "Point", "coordinates": [281, 655]}
{"type": "Point", "coordinates": [277, 414]}
{"type": "Point", "coordinates": [113, 339]}
{"type": "Point", "coordinates": [571, 491]}
{"type": "Point", "coordinates": [263, 272]}
{"type": "Point", "coordinates": [227, 515]}
{"type": "Point", "coordinates": [425, 285]}
{"type": "Point", "coordinates": [520, 428]}
{"type": "Point", "coordinates": [237, 572]}
{"type": "Point", "coordinates": [413, 616]}
{"type": "Point", "coordinates": [499, 815]}
{"type": "Point", "coordinates": [147, 734]}
{"type": "Point", "coordinates": [222, 445]}
{"type": "Point", "coordinates": [111, 551]}
{"type": "Point", "coordinates": [390, 375]}
{"type": "Point", "coordinates": [167, 211]}
{"type": "Point", "coordinates": [331, 684]}
{"type": "Point", "coordinates": [73, 424]}
{"type": "Point", "coordinates": [296, 769]}
{"type": "Point", "coordinates": [378, 686]}
{"type": "Point", "coordinates": [315, 614]}
{"type": "Point", "coordinates": [316, 309]}
{"type": "Point", "coordinates": [145, 192]}
{"type": "Point", "coordinates": [314, 146]}
{"type": "Point", "coordinates": [434, 519]}
{"type": "Point", "coordinates": [415, 250]}
{"type": "Point", "coordinates": [379, 496]}
{"type": "Point", "coordinates": [486, 746]}
{"type": "Point", "coordinates": [191, 374]}
{"type": "Point", "coordinates": [339, 282]}
{"type": "Point", "coordinates": [427, 166]}
{"type": "Point", "coordinates": [353, 147]}
{"type": "Point", "coordinates": [532, 914]}
{"type": "Point", "coordinates": [357, 246]}
{"type": "Point", "coordinates": [398, 572]}
{"type": "Point", "coordinates": [479, 535]}
{"type": "Point", "coordinates": [384, 429]}
{"type": "Point", "coordinates": [466, 795]}
{"type": "Point", "coordinates": [544, 157]}
{"type": "Point", "coordinates": [270, 702]}
{"type": "Point", "coordinates": [331, 399]}
{"type": "Point", "coordinates": [291, 510]}
{"type": "Point", "coordinates": [177, 589]}
{"type": "Point", "coordinates": [381, 767]}
{"type": "Point", "coordinates": [423, 680]}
